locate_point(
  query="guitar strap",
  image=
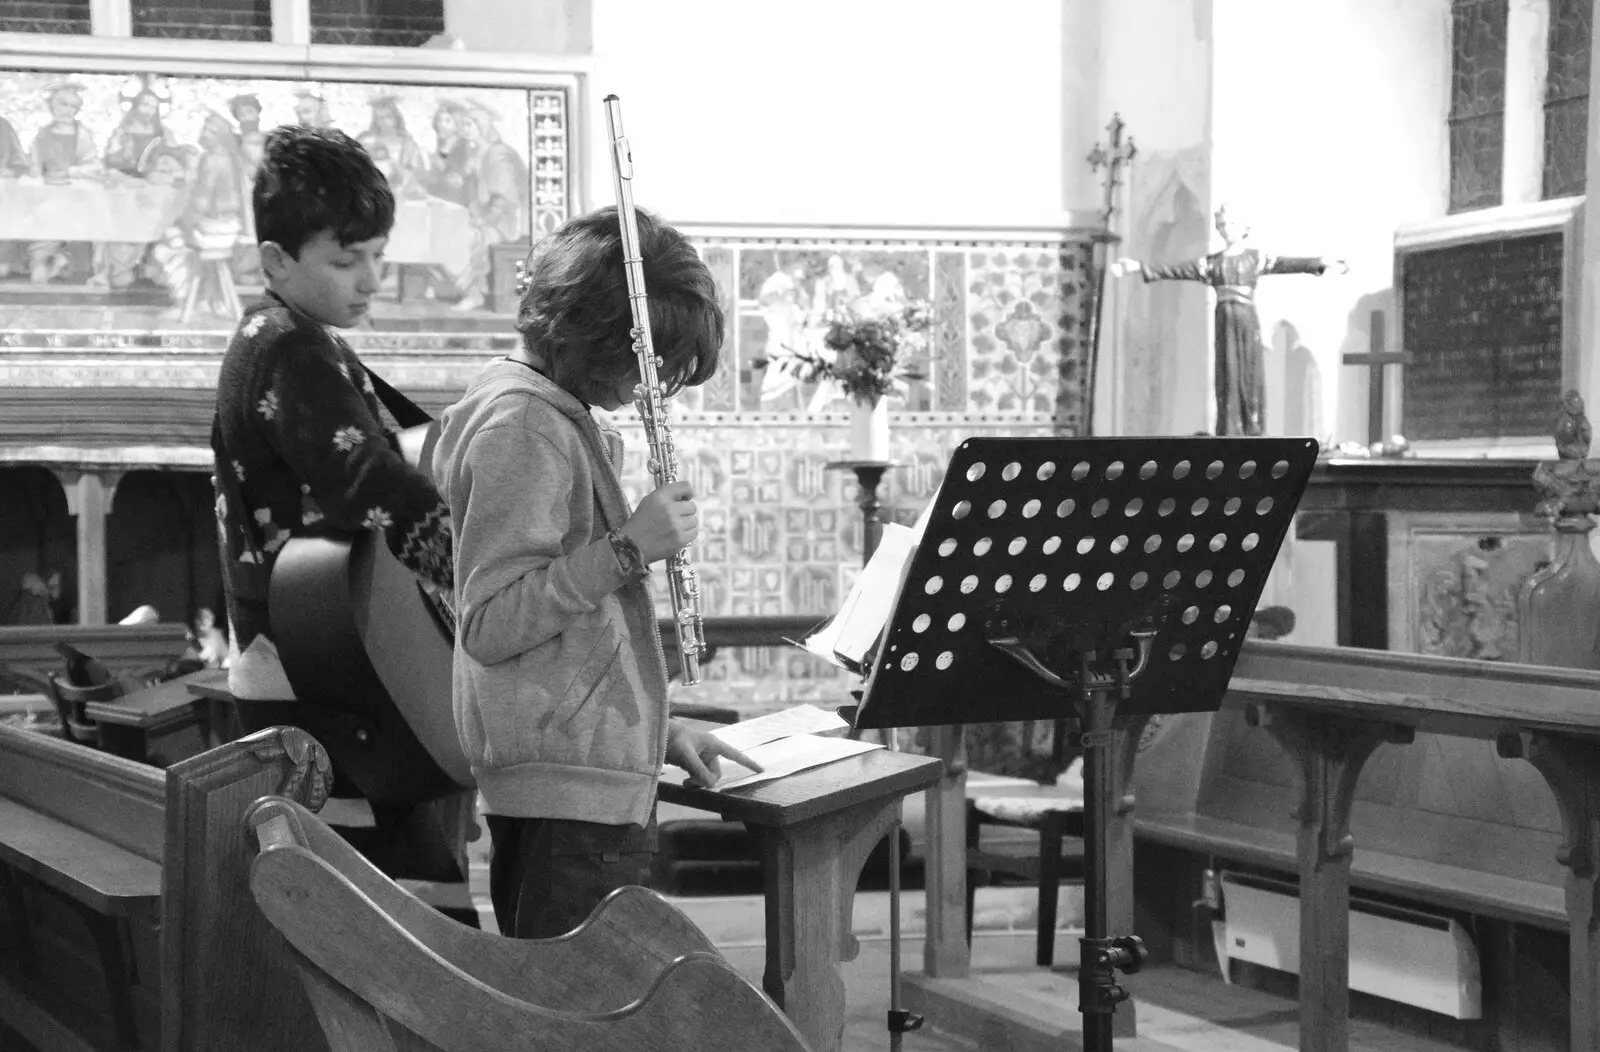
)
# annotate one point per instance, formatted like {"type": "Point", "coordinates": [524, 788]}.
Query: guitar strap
{"type": "Point", "coordinates": [406, 413]}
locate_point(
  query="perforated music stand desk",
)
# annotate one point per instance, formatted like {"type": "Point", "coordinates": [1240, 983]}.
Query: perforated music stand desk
{"type": "Point", "coordinates": [1063, 578]}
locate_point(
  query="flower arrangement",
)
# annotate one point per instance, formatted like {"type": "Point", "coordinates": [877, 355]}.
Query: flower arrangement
{"type": "Point", "coordinates": [869, 350]}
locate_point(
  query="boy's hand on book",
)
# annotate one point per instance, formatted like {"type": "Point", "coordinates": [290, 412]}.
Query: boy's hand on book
{"type": "Point", "coordinates": [665, 521]}
{"type": "Point", "coordinates": [700, 754]}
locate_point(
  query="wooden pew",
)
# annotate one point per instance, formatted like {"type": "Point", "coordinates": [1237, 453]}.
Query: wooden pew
{"type": "Point", "coordinates": [27, 652]}
{"type": "Point", "coordinates": [386, 972]}
{"type": "Point", "coordinates": [128, 922]}
{"type": "Point", "coordinates": [1449, 814]}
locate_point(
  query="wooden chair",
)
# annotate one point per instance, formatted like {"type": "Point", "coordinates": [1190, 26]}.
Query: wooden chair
{"type": "Point", "coordinates": [386, 972]}
{"type": "Point", "coordinates": [1055, 858]}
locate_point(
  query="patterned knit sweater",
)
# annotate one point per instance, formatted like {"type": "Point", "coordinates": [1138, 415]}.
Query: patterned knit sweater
{"type": "Point", "coordinates": [301, 429]}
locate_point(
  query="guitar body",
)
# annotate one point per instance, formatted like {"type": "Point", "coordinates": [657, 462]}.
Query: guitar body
{"type": "Point", "coordinates": [370, 659]}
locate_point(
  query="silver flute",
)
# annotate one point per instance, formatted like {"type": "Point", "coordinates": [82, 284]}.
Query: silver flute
{"type": "Point", "coordinates": [651, 399]}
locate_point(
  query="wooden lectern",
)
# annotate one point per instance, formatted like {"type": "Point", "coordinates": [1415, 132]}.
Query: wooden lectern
{"type": "Point", "coordinates": [816, 829]}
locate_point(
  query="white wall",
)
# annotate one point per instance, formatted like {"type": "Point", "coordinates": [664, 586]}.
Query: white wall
{"type": "Point", "coordinates": [1156, 72]}
{"type": "Point", "coordinates": [1329, 130]}
{"type": "Point", "coordinates": [892, 112]}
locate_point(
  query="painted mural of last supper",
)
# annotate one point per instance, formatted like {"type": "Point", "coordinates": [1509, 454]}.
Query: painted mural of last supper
{"type": "Point", "coordinates": [124, 201]}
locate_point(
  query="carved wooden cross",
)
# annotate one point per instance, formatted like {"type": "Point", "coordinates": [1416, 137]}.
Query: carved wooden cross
{"type": "Point", "coordinates": [1375, 360]}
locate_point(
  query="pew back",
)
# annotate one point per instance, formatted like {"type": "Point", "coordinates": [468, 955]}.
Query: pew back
{"type": "Point", "coordinates": [28, 654]}
{"type": "Point", "coordinates": [145, 933]}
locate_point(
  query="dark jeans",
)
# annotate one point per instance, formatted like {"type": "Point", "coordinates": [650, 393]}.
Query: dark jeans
{"type": "Point", "coordinates": [546, 875]}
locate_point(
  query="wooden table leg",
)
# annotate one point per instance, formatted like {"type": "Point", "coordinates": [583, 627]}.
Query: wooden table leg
{"type": "Point", "coordinates": [1329, 753]}
{"type": "Point", "coordinates": [1572, 770]}
{"type": "Point", "coordinates": [811, 871]}
{"type": "Point", "coordinates": [945, 950]}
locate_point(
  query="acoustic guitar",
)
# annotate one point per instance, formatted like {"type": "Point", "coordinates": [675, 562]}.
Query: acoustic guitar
{"type": "Point", "coordinates": [369, 655]}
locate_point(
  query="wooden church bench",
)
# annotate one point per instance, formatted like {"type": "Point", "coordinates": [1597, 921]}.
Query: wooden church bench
{"type": "Point", "coordinates": [1463, 784]}
{"type": "Point", "coordinates": [383, 973]}
{"type": "Point", "coordinates": [1441, 885]}
{"type": "Point", "coordinates": [151, 866]}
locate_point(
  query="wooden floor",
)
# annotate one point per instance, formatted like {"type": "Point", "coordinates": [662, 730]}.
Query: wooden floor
{"type": "Point", "coordinates": [1177, 1010]}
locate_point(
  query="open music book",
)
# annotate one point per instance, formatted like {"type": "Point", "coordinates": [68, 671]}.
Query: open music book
{"type": "Point", "coordinates": [849, 636]}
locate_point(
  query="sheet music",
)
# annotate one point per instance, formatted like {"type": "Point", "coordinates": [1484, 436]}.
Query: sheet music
{"type": "Point", "coordinates": [866, 610]}
{"type": "Point", "coordinates": [801, 719]}
{"type": "Point", "coordinates": [798, 752]}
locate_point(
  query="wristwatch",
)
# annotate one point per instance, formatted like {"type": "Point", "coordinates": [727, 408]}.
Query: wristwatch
{"type": "Point", "coordinates": [628, 555]}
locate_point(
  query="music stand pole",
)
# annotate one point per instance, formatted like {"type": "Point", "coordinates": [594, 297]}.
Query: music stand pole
{"type": "Point", "coordinates": [869, 473]}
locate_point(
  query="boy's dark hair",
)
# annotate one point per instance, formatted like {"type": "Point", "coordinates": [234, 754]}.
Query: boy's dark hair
{"type": "Point", "coordinates": [576, 313]}
{"type": "Point", "coordinates": [316, 179]}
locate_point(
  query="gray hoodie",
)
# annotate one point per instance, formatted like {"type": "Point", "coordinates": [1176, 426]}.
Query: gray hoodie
{"type": "Point", "coordinates": [560, 686]}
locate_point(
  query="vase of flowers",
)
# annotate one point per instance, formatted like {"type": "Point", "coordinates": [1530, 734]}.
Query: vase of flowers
{"type": "Point", "coordinates": [867, 351]}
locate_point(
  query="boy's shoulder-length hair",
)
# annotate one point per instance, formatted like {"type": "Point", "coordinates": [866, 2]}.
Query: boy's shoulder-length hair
{"type": "Point", "coordinates": [575, 309]}
{"type": "Point", "coordinates": [316, 179]}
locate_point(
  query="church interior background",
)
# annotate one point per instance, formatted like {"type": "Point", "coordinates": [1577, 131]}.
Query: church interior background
{"type": "Point", "coordinates": [852, 150]}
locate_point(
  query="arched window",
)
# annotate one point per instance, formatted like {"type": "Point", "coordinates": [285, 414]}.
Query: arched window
{"type": "Point", "coordinates": [1566, 97]}
{"type": "Point", "coordinates": [1477, 102]}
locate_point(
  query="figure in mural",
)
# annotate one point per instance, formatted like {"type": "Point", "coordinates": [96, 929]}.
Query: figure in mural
{"type": "Point", "coordinates": [246, 111]}
{"type": "Point", "coordinates": [172, 261]}
{"type": "Point", "coordinates": [453, 161]}
{"type": "Point", "coordinates": [397, 154]}
{"type": "Point", "coordinates": [1233, 273]}
{"type": "Point", "coordinates": [481, 171]}
{"type": "Point", "coordinates": [62, 151]}
{"type": "Point", "coordinates": [13, 164]}
{"type": "Point", "coordinates": [311, 110]}
{"type": "Point", "coordinates": [779, 298]}
{"type": "Point", "coordinates": [128, 152]}
{"type": "Point", "coordinates": [213, 221]}
{"type": "Point", "coordinates": [501, 201]}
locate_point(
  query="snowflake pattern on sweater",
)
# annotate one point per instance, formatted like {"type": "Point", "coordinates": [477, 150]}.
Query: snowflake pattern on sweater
{"type": "Point", "coordinates": [304, 434]}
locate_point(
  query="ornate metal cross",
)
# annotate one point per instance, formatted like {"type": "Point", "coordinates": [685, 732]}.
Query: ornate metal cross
{"type": "Point", "coordinates": [1112, 158]}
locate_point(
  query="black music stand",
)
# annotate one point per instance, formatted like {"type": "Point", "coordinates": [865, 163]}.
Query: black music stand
{"type": "Point", "coordinates": [1101, 577]}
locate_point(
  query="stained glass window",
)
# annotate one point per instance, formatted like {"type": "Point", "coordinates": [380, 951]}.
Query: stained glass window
{"type": "Point", "coordinates": [1566, 97]}
{"type": "Point", "coordinates": [1477, 102]}
{"type": "Point", "coordinates": [204, 20]}
{"type": "Point", "coordinates": [378, 23]}
{"type": "Point", "coordinates": [45, 16]}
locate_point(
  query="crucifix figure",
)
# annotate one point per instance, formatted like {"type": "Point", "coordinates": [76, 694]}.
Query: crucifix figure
{"type": "Point", "coordinates": [1112, 158]}
{"type": "Point", "coordinates": [1233, 272]}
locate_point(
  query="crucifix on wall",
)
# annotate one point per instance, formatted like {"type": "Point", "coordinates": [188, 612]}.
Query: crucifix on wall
{"type": "Point", "coordinates": [1377, 358]}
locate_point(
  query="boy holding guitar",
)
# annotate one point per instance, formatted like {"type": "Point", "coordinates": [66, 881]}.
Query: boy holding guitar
{"type": "Point", "coordinates": [299, 443]}
{"type": "Point", "coordinates": [560, 683]}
